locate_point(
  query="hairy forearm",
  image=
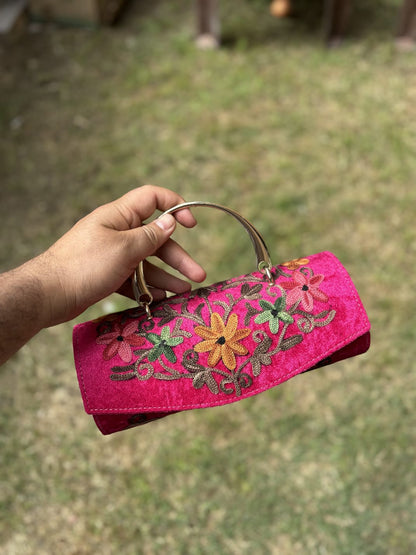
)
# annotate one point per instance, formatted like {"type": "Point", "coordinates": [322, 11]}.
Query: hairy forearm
{"type": "Point", "coordinates": [95, 258]}
{"type": "Point", "coordinates": [21, 308]}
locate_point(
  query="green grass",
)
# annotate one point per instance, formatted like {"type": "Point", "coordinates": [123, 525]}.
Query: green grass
{"type": "Point", "coordinates": [316, 148]}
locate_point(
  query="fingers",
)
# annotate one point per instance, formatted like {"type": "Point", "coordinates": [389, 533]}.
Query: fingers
{"type": "Point", "coordinates": [159, 198]}
{"type": "Point", "coordinates": [139, 204]}
{"type": "Point", "coordinates": [185, 217]}
{"type": "Point", "coordinates": [147, 239]}
{"type": "Point", "coordinates": [175, 256]}
{"type": "Point", "coordinates": [153, 238]}
{"type": "Point", "coordinates": [138, 241]}
{"type": "Point", "coordinates": [159, 281]}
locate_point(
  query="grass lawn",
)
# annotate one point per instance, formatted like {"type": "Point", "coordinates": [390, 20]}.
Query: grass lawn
{"type": "Point", "coordinates": [315, 147]}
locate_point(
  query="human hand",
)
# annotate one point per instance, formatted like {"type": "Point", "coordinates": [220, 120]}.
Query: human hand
{"type": "Point", "coordinates": [99, 254]}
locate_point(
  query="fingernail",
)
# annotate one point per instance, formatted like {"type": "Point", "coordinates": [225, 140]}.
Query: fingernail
{"type": "Point", "coordinates": [166, 222]}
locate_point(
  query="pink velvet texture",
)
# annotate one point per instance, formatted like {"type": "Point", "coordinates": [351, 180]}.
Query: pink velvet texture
{"type": "Point", "coordinates": [218, 344]}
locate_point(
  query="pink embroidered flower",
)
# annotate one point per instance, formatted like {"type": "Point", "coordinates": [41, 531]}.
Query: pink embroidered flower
{"type": "Point", "coordinates": [120, 341]}
{"type": "Point", "coordinates": [304, 289]}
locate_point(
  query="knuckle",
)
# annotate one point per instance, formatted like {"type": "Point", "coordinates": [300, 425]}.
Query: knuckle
{"type": "Point", "coordinates": [151, 235]}
{"type": "Point", "coordinates": [147, 188]}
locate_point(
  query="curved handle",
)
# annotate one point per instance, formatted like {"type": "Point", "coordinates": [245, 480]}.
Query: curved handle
{"type": "Point", "coordinates": [264, 264]}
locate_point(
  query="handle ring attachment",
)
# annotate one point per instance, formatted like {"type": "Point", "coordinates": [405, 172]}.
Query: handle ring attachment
{"type": "Point", "coordinates": [142, 293]}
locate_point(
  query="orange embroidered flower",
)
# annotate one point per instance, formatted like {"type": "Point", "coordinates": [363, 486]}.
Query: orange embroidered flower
{"type": "Point", "coordinates": [296, 263]}
{"type": "Point", "coordinates": [222, 340]}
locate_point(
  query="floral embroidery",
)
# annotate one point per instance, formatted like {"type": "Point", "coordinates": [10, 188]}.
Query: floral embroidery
{"type": "Point", "coordinates": [296, 263]}
{"type": "Point", "coordinates": [304, 289]}
{"type": "Point", "coordinates": [120, 341]}
{"type": "Point", "coordinates": [222, 340]}
{"type": "Point", "coordinates": [277, 317]}
{"type": "Point", "coordinates": [163, 344]}
{"type": "Point", "coordinates": [274, 314]}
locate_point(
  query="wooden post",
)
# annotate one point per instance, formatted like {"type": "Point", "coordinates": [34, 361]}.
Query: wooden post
{"type": "Point", "coordinates": [406, 29]}
{"type": "Point", "coordinates": [208, 27]}
{"type": "Point", "coordinates": [336, 16]}
{"type": "Point", "coordinates": [407, 19]}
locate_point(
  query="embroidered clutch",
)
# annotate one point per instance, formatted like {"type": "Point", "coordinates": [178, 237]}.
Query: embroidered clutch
{"type": "Point", "coordinates": [221, 343]}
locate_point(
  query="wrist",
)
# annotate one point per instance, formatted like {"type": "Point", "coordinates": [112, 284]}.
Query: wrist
{"type": "Point", "coordinates": [21, 309]}
{"type": "Point", "coordinates": [46, 278]}
{"type": "Point", "coordinates": [39, 291]}
{"type": "Point", "coordinates": [29, 294]}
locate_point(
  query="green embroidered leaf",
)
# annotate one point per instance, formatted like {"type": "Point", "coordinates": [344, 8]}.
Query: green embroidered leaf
{"type": "Point", "coordinates": [165, 333]}
{"type": "Point", "coordinates": [265, 305]}
{"type": "Point", "coordinates": [153, 338]}
{"type": "Point", "coordinates": [279, 304]}
{"type": "Point", "coordinates": [286, 317]}
{"type": "Point", "coordinates": [155, 353]}
{"type": "Point", "coordinates": [263, 317]}
{"type": "Point", "coordinates": [174, 341]}
{"type": "Point", "coordinates": [169, 354]}
{"type": "Point", "coordinates": [274, 325]}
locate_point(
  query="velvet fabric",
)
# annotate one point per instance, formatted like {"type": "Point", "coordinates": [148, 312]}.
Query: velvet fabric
{"type": "Point", "coordinates": [218, 344]}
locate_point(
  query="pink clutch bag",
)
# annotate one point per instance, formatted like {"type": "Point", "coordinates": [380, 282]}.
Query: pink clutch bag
{"type": "Point", "coordinates": [221, 343]}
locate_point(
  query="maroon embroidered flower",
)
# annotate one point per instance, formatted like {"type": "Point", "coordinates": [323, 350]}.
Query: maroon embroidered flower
{"type": "Point", "coordinates": [120, 341]}
{"type": "Point", "coordinates": [304, 289]}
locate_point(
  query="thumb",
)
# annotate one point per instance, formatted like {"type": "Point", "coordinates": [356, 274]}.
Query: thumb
{"type": "Point", "coordinates": [153, 235]}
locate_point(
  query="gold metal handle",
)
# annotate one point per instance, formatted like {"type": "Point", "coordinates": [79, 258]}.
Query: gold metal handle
{"type": "Point", "coordinates": [141, 291]}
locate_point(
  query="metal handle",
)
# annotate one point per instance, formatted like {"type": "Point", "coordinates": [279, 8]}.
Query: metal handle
{"type": "Point", "coordinates": [264, 264]}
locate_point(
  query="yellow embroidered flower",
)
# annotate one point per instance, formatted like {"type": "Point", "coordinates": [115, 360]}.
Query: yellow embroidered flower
{"type": "Point", "coordinates": [296, 263]}
{"type": "Point", "coordinates": [222, 340]}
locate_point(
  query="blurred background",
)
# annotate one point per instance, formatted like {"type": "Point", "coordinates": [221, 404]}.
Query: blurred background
{"type": "Point", "coordinates": [316, 146]}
